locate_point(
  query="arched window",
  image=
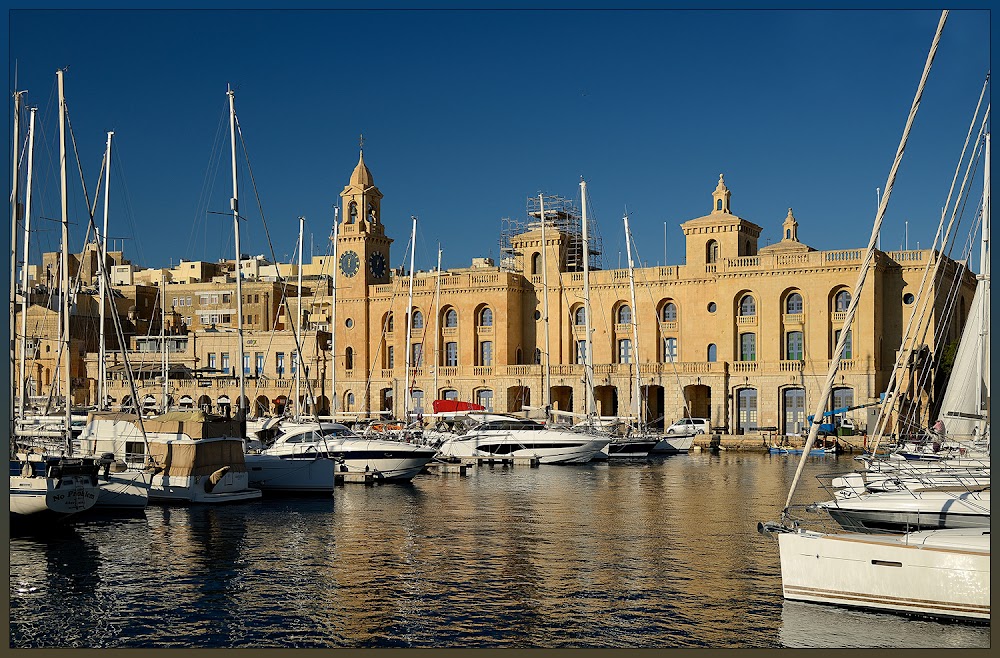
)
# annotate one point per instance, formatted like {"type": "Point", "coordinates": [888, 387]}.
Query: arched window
{"type": "Point", "coordinates": [352, 213]}
{"type": "Point", "coordinates": [793, 305]}
{"type": "Point", "coordinates": [536, 263]}
{"type": "Point", "coordinates": [788, 234]}
{"type": "Point", "coordinates": [449, 394]}
{"type": "Point", "coordinates": [670, 312]}
{"type": "Point", "coordinates": [518, 356]}
{"type": "Point", "coordinates": [486, 317]}
{"type": "Point", "coordinates": [841, 301]}
{"type": "Point", "coordinates": [389, 324]}
{"type": "Point", "coordinates": [712, 249]}
{"type": "Point", "coordinates": [349, 359]}
{"type": "Point", "coordinates": [718, 204]}
{"type": "Point", "coordinates": [748, 306]}
{"type": "Point", "coordinates": [451, 318]}
{"type": "Point", "coordinates": [538, 356]}
{"type": "Point", "coordinates": [712, 353]}
{"type": "Point", "coordinates": [580, 316]}
{"type": "Point", "coordinates": [624, 314]}
{"type": "Point", "coordinates": [418, 320]}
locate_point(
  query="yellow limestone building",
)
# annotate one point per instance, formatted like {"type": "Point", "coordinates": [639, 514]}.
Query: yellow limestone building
{"type": "Point", "coordinates": [738, 334]}
{"type": "Point", "coordinates": [742, 335]}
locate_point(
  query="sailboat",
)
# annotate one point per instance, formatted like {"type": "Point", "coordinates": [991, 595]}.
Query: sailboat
{"type": "Point", "coordinates": [43, 480]}
{"type": "Point", "coordinates": [935, 573]}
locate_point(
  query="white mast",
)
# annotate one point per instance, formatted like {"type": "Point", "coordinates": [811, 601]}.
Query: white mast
{"type": "Point", "coordinates": [635, 324]}
{"type": "Point", "coordinates": [298, 325]}
{"type": "Point", "coordinates": [588, 355]}
{"type": "Point", "coordinates": [102, 366]}
{"type": "Point", "coordinates": [23, 382]}
{"type": "Point", "coordinates": [333, 324]}
{"type": "Point", "coordinates": [14, 203]}
{"type": "Point", "coordinates": [64, 262]}
{"type": "Point", "coordinates": [409, 324]}
{"type": "Point", "coordinates": [234, 202]}
{"type": "Point", "coordinates": [437, 319]}
{"type": "Point", "coordinates": [545, 310]}
{"type": "Point", "coordinates": [984, 268]}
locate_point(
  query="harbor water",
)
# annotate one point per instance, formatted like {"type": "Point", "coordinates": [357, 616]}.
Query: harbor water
{"type": "Point", "coordinates": [652, 553]}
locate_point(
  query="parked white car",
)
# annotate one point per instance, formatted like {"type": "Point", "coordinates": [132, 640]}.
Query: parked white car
{"type": "Point", "coordinates": [689, 426]}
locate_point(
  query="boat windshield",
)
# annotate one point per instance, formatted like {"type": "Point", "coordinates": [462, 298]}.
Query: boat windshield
{"type": "Point", "coordinates": [511, 424]}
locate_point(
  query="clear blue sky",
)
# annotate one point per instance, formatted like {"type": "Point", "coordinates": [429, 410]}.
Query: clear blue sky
{"type": "Point", "coordinates": [467, 113]}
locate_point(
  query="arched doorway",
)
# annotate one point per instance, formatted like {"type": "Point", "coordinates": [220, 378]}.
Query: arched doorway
{"type": "Point", "coordinates": [699, 400]}
{"type": "Point", "coordinates": [518, 397]}
{"type": "Point", "coordinates": [224, 405]}
{"type": "Point", "coordinates": [205, 404]}
{"type": "Point", "coordinates": [746, 410]}
{"type": "Point", "coordinates": [562, 398]}
{"type": "Point", "coordinates": [607, 400]}
{"type": "Point", "coordinates": [653, 397]}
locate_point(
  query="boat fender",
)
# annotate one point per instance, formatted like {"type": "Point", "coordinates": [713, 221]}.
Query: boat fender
{"type": "Point", "coordinates": [215, 478]}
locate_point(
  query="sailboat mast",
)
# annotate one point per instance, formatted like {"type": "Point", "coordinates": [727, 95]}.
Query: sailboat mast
{"type": "Point", "coordinates": [64, 260]}
{"type": "Point", "coordinates": [984, 274]}
{"type": "Point", "coordinates": [588, 355]}
{"type": "Point", "coordinates": [409, 325]}
{"type": "Point", "coordinates": [23, 381]}
{"type": "Point", "coordinates": [298, 324]}
{"type": "Point", "coordinates": [235, 204]}
{"type": "Point", "coordinates": [635, 322]}
{"type": "Point", "coordinates": [333, 323]}
{"type": "Point", "coordinates": [545, 310]}
{"type": "Point", "coordinates": [15, 202]}
{"type": "Point", "coordinates": [437, 319]}
{"type": "Point", "coordinates": [102, 366]}
{"type": "Point", "coordinates": [164, 359]}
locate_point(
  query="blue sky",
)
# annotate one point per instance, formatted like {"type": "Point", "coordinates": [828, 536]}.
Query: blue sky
{"type": "Point", "coordinates": [467, 113]}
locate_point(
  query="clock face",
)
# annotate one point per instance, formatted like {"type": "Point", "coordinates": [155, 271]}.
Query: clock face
{"type": "Point", "coordinates": [376, 262]}
{"type": "Point", "coordinates": [349, 263]}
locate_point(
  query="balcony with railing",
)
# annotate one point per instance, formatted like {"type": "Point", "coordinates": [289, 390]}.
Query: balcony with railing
{"type": "Point", "coordinates": [746, 320]}
{"type": "Point", "coordinates": [793, 318]}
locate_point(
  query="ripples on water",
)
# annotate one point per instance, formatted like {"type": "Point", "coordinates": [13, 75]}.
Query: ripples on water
{"type": "Point", "coordinates": [662, 553]}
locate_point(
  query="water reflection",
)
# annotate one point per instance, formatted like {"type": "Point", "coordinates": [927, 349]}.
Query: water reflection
{"type": "Point", "coordinates": [647, 554]}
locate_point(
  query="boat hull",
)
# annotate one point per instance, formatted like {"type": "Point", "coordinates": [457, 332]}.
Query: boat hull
{"type": "Point", "coordinates": [271, 473]}
{"type": "Point", "coordinates": [906, 574]}
{"type": "Point", "coordinates": [64, 496]}
{"type": "Point", "coordinates": [907, 511]}
{"type": "Point", "coordinates": [556, 452]}
{"type": "Point", "coordinates": [673, 444]}
{"type": "Point", "coordinates": [125, 490]}
{"type": "Point", "coordinates": [233, 487]}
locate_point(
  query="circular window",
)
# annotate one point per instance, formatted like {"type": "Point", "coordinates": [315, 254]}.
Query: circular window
{"type": "Point", "coordinates": [711, 307]}
{"type": "Point", "coordinates": [908, 298]}
{"type": "Point", "coordinates": [538, 315]}
{"type": "Point", "coordinates": [349, 322]}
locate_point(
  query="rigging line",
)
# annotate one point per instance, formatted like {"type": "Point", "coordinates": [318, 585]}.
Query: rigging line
{"type": "Point", "coordinates": [207, 186]}
{"type": "Point", "coordinates": [866, 265]}
{"type": "Point", "coordinates": [920, 311]}
{"type": "Point", "coordinates": [888, 402]}
{"type": "Point", "coordinates": [673, 360]}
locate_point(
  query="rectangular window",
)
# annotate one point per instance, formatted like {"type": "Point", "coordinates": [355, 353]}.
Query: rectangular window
{"type": "Point", "coordinates": [279, 363]}
{"type": "Point", "coordinates": [848, 351]}
{"type": "Point", "coordinates": [202, 299]}
{"type": "Point", "coordinates": [486, 353]}
{"type": "Point", "coordinates": [226, 298]}
{"type": "Point", "coordinates": [748, 347]}
{"type": "Point", "coordinates": [246, 365]}
{"type": "Point", "coordinates": [669, 350]}
{"type": "Point", "coordinates": [260, 364]}
{"type": "Point", "coordinates": [451, 354]}
{"type": "Point", "coordinates": [190, 302]}
{"type": "Point", "coordinates": [214, 299]}
{"type": "Point", "coordinates": [417, 397]}
{"type": "Point", "coordinates": [390, 360]}
{"type": "Point", "coordinates": [173, 302]}
{"type": "Point", "coordinates": [416, 355]}
{"type": "Point", "coordinates": [295, 362]}
{"type": "Point", "coordinates": [625, 351]}
{"type": "Point", "coordinates": [211, 359]}
{"type": "Point", "coordinates": [581, 351]}
{"type": "Point", "coordinates": [225, 362]}
{"type": "Point", "coordinates": [794, 341]}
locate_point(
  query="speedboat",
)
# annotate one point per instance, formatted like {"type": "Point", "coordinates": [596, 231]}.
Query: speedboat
{"type": "Point", "coordinates": [305, 457]}
{"type": "Point", "coordinates": [910, 509]}
{"type": "Point", "coordinates": [498, 435]}
{"type": "Point", "coordinates": [185, 456]}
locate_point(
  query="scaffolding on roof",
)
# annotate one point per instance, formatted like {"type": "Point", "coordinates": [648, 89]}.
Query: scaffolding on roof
{"type": "Point", "coordinates": [562, 215]}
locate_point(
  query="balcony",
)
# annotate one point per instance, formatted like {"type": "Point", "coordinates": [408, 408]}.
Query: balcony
{"type": "Point", "coordinates": [484, 330]}
{"type": "Point", "coordinates": [449, 331]}
{"type": "Point", "coordinates": [743, 367]}
{"type": "Point", "coordinates": [793, 318]}
{"type": "Point", "coordinates": [668, 326]}
{"type": "Point", "coordinates": [482, 371]}
{"type": "Point", "coordinates": [448, 371]}
{"type": "Point", "coordinates": [838, 317]}
{"type": "Point", "coordinates": [746, 320]}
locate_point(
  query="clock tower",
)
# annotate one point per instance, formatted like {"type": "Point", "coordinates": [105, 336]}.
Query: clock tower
{"type": "Point", "coordinates": [362, 246]}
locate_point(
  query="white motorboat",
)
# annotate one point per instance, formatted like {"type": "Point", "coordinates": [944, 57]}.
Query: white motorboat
{"type": "Point", "coordinates": [910, 509]}
{"type": "Point", "coordinates": [305, 456]}
{"type": "Point", "coordinates": [672, 444]}
{"type": "Point", "coordinates": [193, 457]}
{"type": "Point", "coordinates": [498, 435]}
{"type": "Point", "coordinates": [937, 573]}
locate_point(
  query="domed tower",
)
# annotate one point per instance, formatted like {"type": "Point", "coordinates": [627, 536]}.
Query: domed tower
{"type": "Point", "coordinates": [719, 234]}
